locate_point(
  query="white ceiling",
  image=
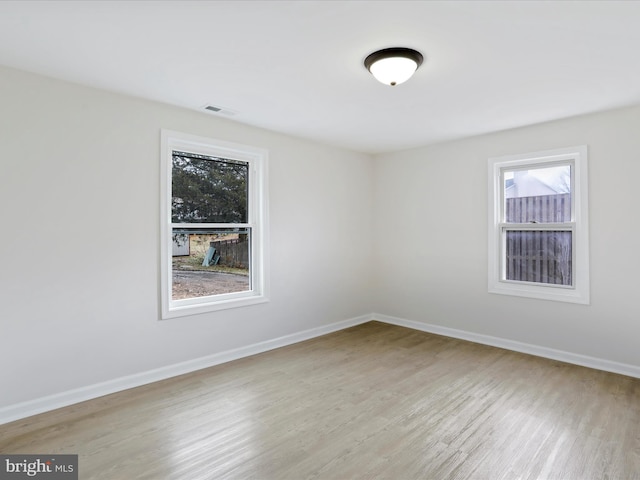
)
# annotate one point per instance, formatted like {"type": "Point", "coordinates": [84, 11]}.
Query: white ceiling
{"type": "Point", "coordinates": [296, 66]}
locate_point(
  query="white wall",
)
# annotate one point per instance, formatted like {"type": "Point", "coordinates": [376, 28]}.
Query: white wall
{"type": "Point", "coordinates": [431, 239]}
{"type": "Point", "coordinates": [79, 256]}
{"type": "Point", "coordinates": [404, 235]}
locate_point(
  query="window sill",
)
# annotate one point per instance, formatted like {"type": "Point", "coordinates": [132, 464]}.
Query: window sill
{"type": "Point", "coordinates": [199, 306]}
{"type": "Point", "coordinates": [542, 292]}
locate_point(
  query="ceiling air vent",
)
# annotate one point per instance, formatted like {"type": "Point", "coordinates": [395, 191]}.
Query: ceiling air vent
{"type": "Point", "coordinates": [219, 110]}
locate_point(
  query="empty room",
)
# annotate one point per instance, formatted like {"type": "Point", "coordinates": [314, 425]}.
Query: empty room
{"type": "Point", "coordinates": [319, 240]}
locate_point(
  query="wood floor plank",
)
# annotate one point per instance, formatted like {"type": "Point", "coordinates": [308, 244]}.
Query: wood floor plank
{"type": "Point", "coordinates": [373, 401]}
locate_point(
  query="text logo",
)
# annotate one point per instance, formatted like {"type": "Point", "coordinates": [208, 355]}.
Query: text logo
{"type": "Point", "coordinates": [46, 467]}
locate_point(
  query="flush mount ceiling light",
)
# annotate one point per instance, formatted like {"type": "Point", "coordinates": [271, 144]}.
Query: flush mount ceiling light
{"type": "Point", "coordinates": [393, 66]}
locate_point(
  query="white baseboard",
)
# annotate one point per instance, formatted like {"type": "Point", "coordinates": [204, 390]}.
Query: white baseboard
{"type": "Point", "coordinates": [51, 402]}
{"type": "Point", "coordinates": [70, 397]}
{"type": "Point", "coordinates": [568, 357]}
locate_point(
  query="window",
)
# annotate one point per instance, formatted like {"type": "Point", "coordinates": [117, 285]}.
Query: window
{"type": "Point", "coordinates": [213, 222]}
{"type": "Point", "coordinates": [538, 225]}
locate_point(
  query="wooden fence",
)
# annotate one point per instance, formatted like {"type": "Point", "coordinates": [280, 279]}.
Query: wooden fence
{"type": "Point", "coordinates": [542, 208]}
{"type": "Point", "coordinates": [233, 253]}
{"type": "Point", "coordinates": [541, 256]}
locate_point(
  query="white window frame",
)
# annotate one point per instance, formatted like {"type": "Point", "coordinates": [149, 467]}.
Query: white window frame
{"type": "Point", "coordinates": [579, 292]}
{"type": "Point", "coordinates": [257, 159]}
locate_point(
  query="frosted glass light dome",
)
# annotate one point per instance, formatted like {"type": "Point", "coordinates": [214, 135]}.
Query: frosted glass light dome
{"type": "Point", "coordinates": [393, 66]}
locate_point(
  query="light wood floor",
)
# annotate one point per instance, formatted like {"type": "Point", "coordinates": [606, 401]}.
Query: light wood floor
{"type": "Point", "coordinates": [374, 401]}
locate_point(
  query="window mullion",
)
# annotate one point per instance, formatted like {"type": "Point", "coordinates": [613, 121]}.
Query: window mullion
{"type": "Point", "coordinates": [564, 226]}
{"type": "Point", "coordinates": [210, 225]}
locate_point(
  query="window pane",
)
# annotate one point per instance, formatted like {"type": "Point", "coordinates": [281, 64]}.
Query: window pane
{"type": "Point", "coordinates": [208, 190]}
{"type": "Point", "coordinates": [538, 195]}
{"type": "Point", "coordinates": [210, 262]}
{"type": "Point", "coordinates": [539, 256]}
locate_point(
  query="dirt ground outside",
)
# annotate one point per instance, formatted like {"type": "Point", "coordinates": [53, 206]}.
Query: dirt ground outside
{"type": "Point", "coordinates": [200, 284]}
